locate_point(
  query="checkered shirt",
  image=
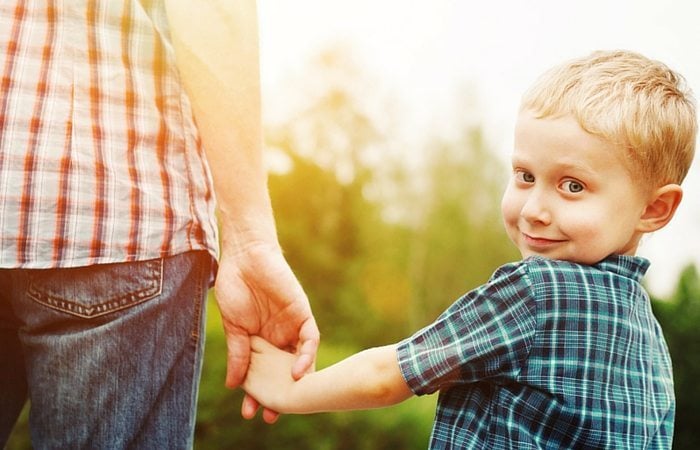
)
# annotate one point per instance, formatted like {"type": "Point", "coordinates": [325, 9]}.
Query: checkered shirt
{"type": "Point", "coordinates": [100, 159]}
{"type": "Point", "coordinates": [547, 355]}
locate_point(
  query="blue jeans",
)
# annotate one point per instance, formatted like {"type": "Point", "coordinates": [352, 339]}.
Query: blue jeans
{"type": "Point", "coordinates": [109, 356]}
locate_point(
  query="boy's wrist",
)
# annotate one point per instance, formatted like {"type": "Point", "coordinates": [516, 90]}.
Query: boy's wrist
{"type": "Point", "coordinates": [296, 400]}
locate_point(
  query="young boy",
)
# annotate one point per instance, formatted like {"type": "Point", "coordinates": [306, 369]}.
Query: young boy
{"type": "Point", "coordinates": [560, 349]}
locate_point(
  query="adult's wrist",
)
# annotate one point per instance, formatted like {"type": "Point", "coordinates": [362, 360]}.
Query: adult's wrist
{"type": "Point", "coordinates": [249, 242]}
{"type": "Point", "coordinates": [243, 231]}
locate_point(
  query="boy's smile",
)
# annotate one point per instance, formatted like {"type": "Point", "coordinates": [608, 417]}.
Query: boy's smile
{"type": "Point", "coordinates": [571, 195]}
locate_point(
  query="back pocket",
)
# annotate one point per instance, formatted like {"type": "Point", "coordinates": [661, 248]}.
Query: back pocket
{"type": "Point", "coordinates": [94, 291]}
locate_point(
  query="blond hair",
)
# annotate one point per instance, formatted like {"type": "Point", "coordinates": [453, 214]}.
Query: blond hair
{"type": "Point", "coordinates": [628, 100]}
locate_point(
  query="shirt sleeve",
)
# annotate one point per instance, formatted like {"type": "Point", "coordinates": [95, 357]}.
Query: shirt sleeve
{"type": "Point", "coordinates": [487, 333]}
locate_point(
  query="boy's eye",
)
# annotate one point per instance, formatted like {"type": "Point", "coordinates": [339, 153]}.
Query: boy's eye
{"type": "Point", "coordinates": [571, 186]}
{"type": "Point", "coordinates": [525, 177]}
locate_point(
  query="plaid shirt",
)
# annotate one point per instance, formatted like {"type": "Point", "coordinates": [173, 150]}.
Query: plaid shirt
{"type": "Point", "coordinates": [100, 160]}
{"type": "Point", "coordinates": [548, 354]}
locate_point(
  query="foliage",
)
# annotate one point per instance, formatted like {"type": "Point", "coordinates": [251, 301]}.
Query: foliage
{"type": "Point", "coordinates": [324, 227]}
{"type": "Point", "coordinates": [680, 318]}
{"type": "Point", "coordinates": [458, 240]}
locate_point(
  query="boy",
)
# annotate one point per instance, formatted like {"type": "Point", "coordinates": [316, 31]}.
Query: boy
{"type": "Point", "coordinates": [560, 349]}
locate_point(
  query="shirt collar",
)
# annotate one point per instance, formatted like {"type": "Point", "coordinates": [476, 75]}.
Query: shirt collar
{"type": "Point", "coordinates": [633, 267]}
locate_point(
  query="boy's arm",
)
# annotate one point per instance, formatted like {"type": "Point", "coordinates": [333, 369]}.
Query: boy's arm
{"type": "Point", "coordinates": [369, 379]}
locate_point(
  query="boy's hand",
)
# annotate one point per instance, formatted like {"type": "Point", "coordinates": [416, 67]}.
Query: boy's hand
{"type": "Point", "coordinates": [269, 379]}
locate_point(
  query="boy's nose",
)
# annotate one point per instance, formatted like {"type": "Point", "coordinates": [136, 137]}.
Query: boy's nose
{"type": "Point", "coordinates": [535, 209]}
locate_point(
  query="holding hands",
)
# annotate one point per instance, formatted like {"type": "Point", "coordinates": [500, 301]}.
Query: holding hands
{"type": "Point", "coordinates": [258, 294]}
{"type": "Point", "coordinates": [269, 378]}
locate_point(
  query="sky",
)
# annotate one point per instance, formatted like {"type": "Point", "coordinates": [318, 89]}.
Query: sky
{"type": "Point", "coordinates": [425, 53]}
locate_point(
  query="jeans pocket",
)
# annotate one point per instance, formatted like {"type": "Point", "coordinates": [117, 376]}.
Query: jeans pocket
{"type": "Point", "coordinates": [94, 291]}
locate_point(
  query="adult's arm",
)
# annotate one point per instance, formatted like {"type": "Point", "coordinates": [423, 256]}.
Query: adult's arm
{"type": "Point", "coordinates": [216, 45]}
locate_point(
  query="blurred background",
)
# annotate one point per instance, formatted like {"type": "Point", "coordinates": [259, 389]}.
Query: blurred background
{"type": "Point", "coordinates": [388, 131]}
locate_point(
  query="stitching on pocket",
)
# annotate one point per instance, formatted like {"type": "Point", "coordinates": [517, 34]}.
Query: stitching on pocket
{"type": "Point", "coordinates": [129, 299]}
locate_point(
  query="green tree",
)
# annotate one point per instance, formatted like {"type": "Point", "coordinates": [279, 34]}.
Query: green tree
{"type": "Point", "coordinates": [329, 228]}
{"type": "Point", "coordinates": [679, 317]}
{"type": "Point", "coordinates": [459, 239]}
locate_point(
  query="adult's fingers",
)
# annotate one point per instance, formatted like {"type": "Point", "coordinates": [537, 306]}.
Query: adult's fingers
{"type": "Point", "coordinates": [309, 339]}
{"type": "Point", "coordinates": [238, 357]}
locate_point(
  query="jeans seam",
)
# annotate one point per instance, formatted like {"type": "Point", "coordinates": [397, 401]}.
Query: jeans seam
{"type": "Point", "coordinates": [198, 299]}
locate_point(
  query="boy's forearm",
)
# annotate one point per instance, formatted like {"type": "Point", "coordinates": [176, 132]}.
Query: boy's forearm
{"type": "Point", "coordinates": [369, 379]}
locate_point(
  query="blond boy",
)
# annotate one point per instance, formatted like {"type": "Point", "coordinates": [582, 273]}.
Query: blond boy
{"type": "Point", "coordinates": [560, 349]}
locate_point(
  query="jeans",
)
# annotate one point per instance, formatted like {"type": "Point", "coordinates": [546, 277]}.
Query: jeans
{"type": "Point", "coordinates": [109, 355]}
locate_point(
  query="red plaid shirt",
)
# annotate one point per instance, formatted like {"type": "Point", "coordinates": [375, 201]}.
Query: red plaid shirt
{"type": "Point", "coordinates": [100, 160]}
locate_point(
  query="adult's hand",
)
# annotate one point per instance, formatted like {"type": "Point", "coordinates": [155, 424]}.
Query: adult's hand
{"type": "Point", "coordinates": [258, 294]}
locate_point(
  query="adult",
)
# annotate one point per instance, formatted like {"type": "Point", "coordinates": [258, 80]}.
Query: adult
{"type": "Point", "coordinates": [123, 126]}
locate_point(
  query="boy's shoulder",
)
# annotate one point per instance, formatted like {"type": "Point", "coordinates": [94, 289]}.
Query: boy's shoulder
{"type": "Point", "coordinates": [619, 276]}
{"type": "Point", "coordinates": [626, 266]}
{"type": "Point", "coordinates": [545, 272]}
{"type": "Point", "coordinates": [571, 289]}
{"type": "Point", "coordinates": [537, 267]}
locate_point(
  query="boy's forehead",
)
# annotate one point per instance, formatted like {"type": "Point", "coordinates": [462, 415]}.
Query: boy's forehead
{"type": "Point", "coordinates": [562, 142]}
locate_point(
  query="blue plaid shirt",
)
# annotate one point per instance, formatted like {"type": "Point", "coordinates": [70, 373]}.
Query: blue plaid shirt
{"type": "Point", "coordinates": [547, 354]}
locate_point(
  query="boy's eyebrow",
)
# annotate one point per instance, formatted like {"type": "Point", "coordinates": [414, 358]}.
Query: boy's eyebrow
{"type": "Point", "coordinates": [568, 166]}
{"type": "Point", "coordinates": [571, 166]}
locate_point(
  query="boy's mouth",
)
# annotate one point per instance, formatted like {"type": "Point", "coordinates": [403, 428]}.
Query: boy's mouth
{"type": "Point", "coordinates": [540, 242]}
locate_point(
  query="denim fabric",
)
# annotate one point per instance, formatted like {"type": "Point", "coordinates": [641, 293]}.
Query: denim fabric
{"type": "Point", "coordinates": [109, 355]}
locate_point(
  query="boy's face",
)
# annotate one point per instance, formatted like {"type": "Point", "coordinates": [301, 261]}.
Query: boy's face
{"type": "Point", "coordinates": [570, 195]}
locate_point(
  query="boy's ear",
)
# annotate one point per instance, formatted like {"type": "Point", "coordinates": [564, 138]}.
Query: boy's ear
{"type": "Point", "coordinates": [661, 208]}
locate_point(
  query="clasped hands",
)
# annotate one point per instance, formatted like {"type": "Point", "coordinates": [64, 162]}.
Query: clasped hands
{"type": "Point", "coordinates": [261, 301]}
